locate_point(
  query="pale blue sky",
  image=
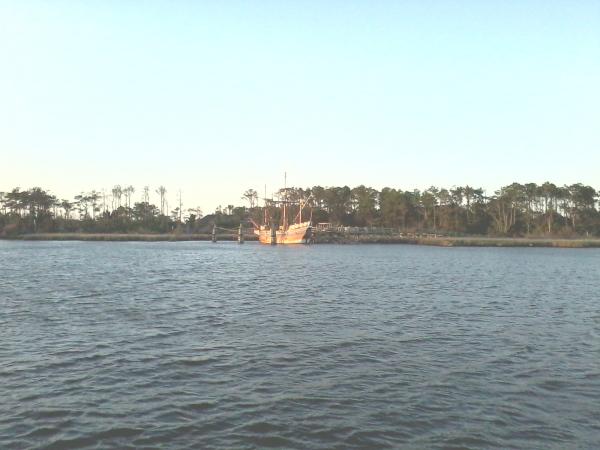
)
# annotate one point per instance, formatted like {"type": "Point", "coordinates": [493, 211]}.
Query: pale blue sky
{"type": "Point", "coordinates": [216, 97]}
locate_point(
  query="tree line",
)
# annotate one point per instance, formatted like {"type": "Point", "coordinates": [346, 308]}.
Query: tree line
{"type": "Point", "coordinates": [514, 210]}
{"type": "Point", "coordinates": [37, 210]}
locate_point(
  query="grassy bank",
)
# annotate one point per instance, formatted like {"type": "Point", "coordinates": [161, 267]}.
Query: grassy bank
{"type": "Point", "coordinates": [511, 242]}
{"type": "Point", "coordinates": [125, 237]}
{"type": "Point", "coordinates": [461, 241]}
{"type": "Point", "coordinates": [328, 238]}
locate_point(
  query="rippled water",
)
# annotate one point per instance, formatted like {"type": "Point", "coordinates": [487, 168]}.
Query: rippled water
{"type": "Point", "coordinates": [200, 345]}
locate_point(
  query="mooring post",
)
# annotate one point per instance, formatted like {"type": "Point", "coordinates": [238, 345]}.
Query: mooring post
{"type": "Point", "coordinates": [214, 233]}
{"type": "Point", "coordinates": [241, 235]}
{"type": "Point", "coordinates": [273, 235]}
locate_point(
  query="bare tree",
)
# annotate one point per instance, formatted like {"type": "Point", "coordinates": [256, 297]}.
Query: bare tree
{"type": "Point", "coordinates": [128, 191]}
{"type": "Point", "coordinates": [162, 192]}
{"type": "Point", "coordinates": [180, 205]}
{"type": "Point", "coordinates": [93, 198]}
{"type": "Point", "coordinates": [251, 196]}
{"type": "Point", "coordinates": [67, 206]}
{"type": "Point", "coordinates": [117, 192]}
{"type": "Point", "coordinates": [197, 211]}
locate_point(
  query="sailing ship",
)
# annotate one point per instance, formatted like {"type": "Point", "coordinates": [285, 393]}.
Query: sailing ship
{"type": "Point", "coordinates": [297, 232]}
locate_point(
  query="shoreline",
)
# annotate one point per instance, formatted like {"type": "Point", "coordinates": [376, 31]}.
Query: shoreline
{"type": "Point", "coordinates": [470, 241]}
{"type": "Point", "coordinates": [124, 237]}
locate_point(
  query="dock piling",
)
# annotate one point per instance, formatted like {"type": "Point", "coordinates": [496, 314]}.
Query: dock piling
{"type": "Point", "coordinates": [241, 235]}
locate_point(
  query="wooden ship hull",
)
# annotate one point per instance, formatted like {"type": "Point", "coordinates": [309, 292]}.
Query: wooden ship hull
{"type": "Point", "coordinates": [298, 233]}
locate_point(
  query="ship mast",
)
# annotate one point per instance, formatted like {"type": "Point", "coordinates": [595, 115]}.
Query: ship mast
{"type": "Point", "coordinates": [285, 224]}
{"type": "Point", "coordinates": [265, 208]}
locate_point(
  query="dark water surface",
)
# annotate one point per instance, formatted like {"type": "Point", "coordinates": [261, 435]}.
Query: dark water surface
{"type": "Point", "coordinates": [200, 345]}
